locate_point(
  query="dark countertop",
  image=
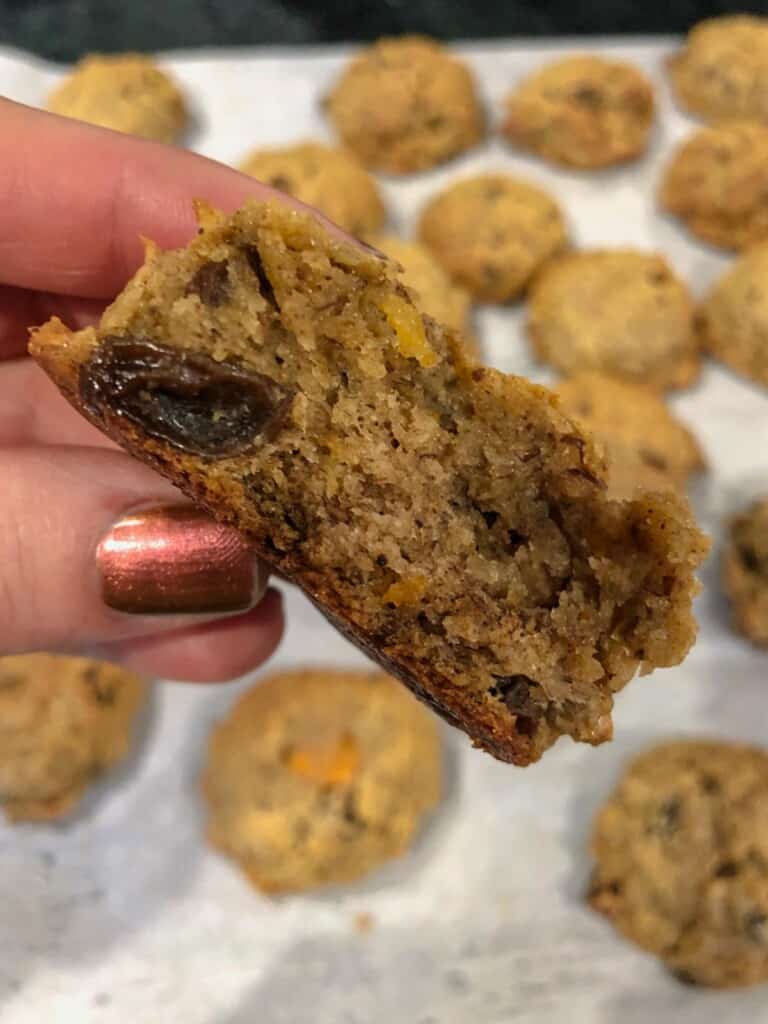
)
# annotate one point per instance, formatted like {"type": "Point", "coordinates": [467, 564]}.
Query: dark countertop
{"type": "Point", "coordinates": [65, 29]}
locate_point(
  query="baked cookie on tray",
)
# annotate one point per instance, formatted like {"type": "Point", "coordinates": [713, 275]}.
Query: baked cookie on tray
{"type": "Point", "coordinates": [716, 183]}
{"type": "Point", "coordinates": [491, 232]}
{"type": "Point", "coordinates": [618, 311]}
{"type": "Point", "coordinates": [331, 180]}
{"type": "Point", "coordinates": [450, 520]}
{"type": "Point", "coordinates": [732, 319]}
{"type": "Point", "coordinates": [646, 447]}
{"type": "Point", "coordinates": [722, 70]}
{"type": "Point", "coordinates": [582, 111]}
{"type": "Point", "coordinates": [64, 721]}
{"type": "Point", "coordinates": [406, 104]}
{"type": "Point", "coordinates": [319, 776]}
{"type": "Point", "coordinates": [682, 860]}
{"type": "Point", "coordinates": [745, 571]}
{"type": "Point", "coordinates": [127, 92]}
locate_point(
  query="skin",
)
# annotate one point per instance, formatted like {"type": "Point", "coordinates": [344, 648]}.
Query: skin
{"type": "Point", "coordinates": [74, 201]}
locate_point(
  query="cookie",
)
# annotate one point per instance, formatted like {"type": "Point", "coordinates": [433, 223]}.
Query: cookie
{"type": "Point", "coordinates": [732, 319]}
{"type": "Point", "coordinates": [447, 518]}
{"type": "Point", "coordinates": [582, 111]}
{"type": "Point", "coordinates": [646, 447]}
{"type": "Point", "coordinates": [329, 179]}
{"type": "Point", "coordinates": [491, 233]}
{"type": "Point", "coordinates": [617, 311]}
{"type": "Point", "coordinates": [682, 860]}
{"type": "Point", "coordinates": [406, 104]}
{"type": "Point", "coordinates": [320, 776]}
{"type": "Point", "coordinates": [716, 183]}
{"type": "Point", "coordinates": [438, 296]}
{"type": "Point", "coordinates": [126, 92]}
{"type": "Point", "coordinates": [745, 571]}
{"type": "Point", "coordinates": [63, 722]}
{"type": "Point", "coordinates": [722, 71]}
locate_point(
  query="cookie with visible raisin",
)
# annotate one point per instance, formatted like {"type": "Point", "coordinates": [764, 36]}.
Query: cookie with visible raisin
{"type": "Point", "coordinates": [64, 721]}
{"type": "Point", "coordinates": [449, 519]}
{"type": "Point", "coordinates": [682, 860]}
{"type": "Point", "coordinates": [406, 104]}
{"type": "Point", "coordinates": [319, 776]}
{"type": "Point", "coordinates": [492, 232]}
{"type": "Point", "coordinates": [582, 111]}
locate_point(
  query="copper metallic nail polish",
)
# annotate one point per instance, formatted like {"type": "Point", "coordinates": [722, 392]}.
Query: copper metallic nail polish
{"type": "Point", "coordinates": [174, 560]}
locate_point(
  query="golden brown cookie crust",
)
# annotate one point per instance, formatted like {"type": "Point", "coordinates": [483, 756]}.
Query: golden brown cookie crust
{"type": "Point", "coordinates": [125, 92]}
{"type": "Point", "coordinates": [647, 448]}
{"type": "Point", "coordinates": [319, 776]}
{"type": "Point", "coordinates": [439, 296]}
{"type": "Point", "coordinates": [331, 180]}
{"type": "Point", "coordinates": [582, 111]}
{"type": "Point", "coordinates": [732, 319]}
{"type": "Point", "coordinates": [492, 232]}
{"type": "Point", "coordinates": [716, 183]}
{"type": "Point", "coordinates": [618, 311]}
{"type": "Point", "coordinates": [682, 860]}
{"type": "Point", "coordinates": [745, 571]}
{"type": "Point", "coordinates": [406, 104]}
{"type": "Point", "coordinates": [722, 70]}
{"type": "Point", "coordinates": [63, 722]}
{"type": "Point", "coordinates": [448, 519]}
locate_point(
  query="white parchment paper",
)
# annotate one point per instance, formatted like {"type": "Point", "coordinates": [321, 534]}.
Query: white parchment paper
{"type": "Point", "coordinates": [123, 915]}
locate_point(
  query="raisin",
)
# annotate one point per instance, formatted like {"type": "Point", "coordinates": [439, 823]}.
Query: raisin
{"type": "Point", "coordinates": [280, 182]}
{"type": "Point", "coordinates": [588, 96]}
{"type": "Point", "coordinates": [667, 817]}
{"type": "Point", "coordinates": [190, 401]}
{"type": "Point", "coordinates": [684, 977]}
{"type": "Point", "coordinates": [728, 869]}
{"type": "Point", "coordinates": [211, 284]}
{"type": "Point", "coordinates": [653, 459]}
{"type": "Point", "coordinates": [256, 264]}
{"type": "Point", "coordinates": [749, 559]}
{"type": "Point", "coordinates": [756, 927]}
{"type": "Point", "coordinates": [490, 518]}
{"type": "Point", "coordinates": [515, 692]}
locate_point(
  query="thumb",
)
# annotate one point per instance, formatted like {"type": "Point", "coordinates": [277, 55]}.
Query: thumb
{"type": "Point", "coordinates": [97, 552]}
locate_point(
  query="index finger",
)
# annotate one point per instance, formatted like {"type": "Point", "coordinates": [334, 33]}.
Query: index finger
{"type": "Point", "coordinates": [74, 201]}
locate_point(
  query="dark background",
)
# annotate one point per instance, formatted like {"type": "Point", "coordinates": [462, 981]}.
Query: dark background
{"type": "Point", "coordinates": [65, 29]}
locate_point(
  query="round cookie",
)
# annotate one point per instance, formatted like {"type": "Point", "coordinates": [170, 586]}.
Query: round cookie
{"type": "Point", "coordinates": [319, 776]}
{"type": "Point", "coordinates": [733, 318]}
{"type": "Point", "coordinates": [722, 71]}
{"type": "Point", "coordinates": [63, 722]}
{"type": "Point", "coordinates": [582, 111]}
{"type": "Point", "coordinates": [717, 181]}
{"type": "Point", "coordinates": [745, 571]}
{"type": "Point", "coordinates": [646, 447]}
{"type": "Point", "coordinates": [329, 179]}
{"type": "Point", "coordinates": [682, 860]}
{"type": "Point", "coordinates": [406, 104]}
{"type": "Point", "coordinates": [619, 311]}
{"type": "Point", "coordinates": [492, 232]}
{"type": "Point", "coordinates": [126, 92]}
{"type": "Point", "coordinates": [439, 297]}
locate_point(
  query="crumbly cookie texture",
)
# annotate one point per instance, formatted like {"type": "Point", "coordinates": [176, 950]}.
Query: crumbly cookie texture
{"type": "Point", "coordinates": [682, 860]}
{"type": "Point", "coordinates": [63, 722]}
{"type": "Point", "coordinates": [438, 296]}
{"type": "Point", "coordinates": [618, 311]}
{"type": "Point", "coordinates": [745, 571]}
{"type": "Point", "coordinates": [582, 111]}
{"type": "Point", "coordinates": [406, 104]}
{"type": "Point", "coordinates": [492, 232]}
{"type": "Point", "coordinates": [733, 318]}
{"type": "Point", "coordinates": [330, 179]}
{"type": "Point", "coordinates": [320, 776]}
{"type": "Point", "coordinates": [646, 447]}
{"type": "Point", "coordinates": [716, 183]}
{"type": "Point", "coordinates": [447, 518]}
{"type": "Point", "coordinates": [126, 92]}
{"type": "Point", "coordinates": [722, 70]}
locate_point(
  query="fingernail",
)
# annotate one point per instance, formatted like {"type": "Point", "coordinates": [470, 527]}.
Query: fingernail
{"type": "Point", "coordinates": [174, 560]}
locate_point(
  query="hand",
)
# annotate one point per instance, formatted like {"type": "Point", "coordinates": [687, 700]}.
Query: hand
{"type": "Point", "coordinates": [93, 544]}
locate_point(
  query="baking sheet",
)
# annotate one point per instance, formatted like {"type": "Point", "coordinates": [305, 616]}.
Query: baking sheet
{"type": "Point", "coordinates": [123, 915]}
